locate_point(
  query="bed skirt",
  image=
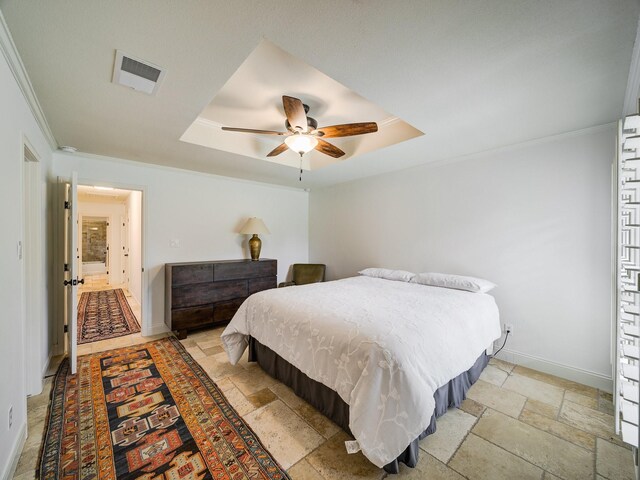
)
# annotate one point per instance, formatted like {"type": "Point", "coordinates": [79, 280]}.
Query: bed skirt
{"type": "Point", "coordinates": [329, 403]}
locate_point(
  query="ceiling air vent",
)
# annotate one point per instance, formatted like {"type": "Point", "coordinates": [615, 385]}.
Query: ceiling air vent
{"type": "Point", "coordinates": [136, 73]}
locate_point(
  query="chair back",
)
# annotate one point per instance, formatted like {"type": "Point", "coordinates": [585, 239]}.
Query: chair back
{"type": "Point", "coordinates": [304, 273]}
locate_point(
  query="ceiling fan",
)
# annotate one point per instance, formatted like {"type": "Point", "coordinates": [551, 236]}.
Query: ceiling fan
{"type": "Point", "coordinates": [303, 134]}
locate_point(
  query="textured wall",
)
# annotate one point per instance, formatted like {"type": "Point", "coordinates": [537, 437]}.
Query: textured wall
{"type": "Point", "coordinates": [534, 218]}
{"type": "Point", "coordinates": [21, 339]}
{"type": "Point", "coordinates": [189, 216]}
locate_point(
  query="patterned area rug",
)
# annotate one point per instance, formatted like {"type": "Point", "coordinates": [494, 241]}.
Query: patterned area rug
{"type": "Point", "coordinates": [105, 314]}
{"type": "Point", "coordinates": [147, 412]}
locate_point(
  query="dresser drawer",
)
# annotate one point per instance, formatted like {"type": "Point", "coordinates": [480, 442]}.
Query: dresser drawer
{"type": "Point", "coordinates": [192, 317]}
{"type": "Point", "coordinates": [189, 274]}
{"type": "Point", "coordinates": [248, 269]}
{"type": "Point", "coordinates": [259, 284]}
{"type": "Point", "coordinates": [204, 293]}
{"type": "Point", "coordinates": [228, 290]}
{"type": "Point", "coordinates": [191, 295]}
{"type": "Point", "coordinates": [224, 311]}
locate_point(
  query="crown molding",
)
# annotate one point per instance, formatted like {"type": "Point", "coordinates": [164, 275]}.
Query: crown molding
{"type": "Point", "coordinates": [517, 146]}
{"type": "Point", "coordinates": [14, 61]}
{"type": "Point", "coordinates": [485, 153]}
{"type": "Point", "coordinates": [633, 82]}
{"type": "Point", "coordinates": [165, 168]}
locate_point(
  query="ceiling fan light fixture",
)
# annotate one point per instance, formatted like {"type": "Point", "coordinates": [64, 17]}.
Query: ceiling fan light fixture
{"type": "Point", "coordinates": [301, 143]}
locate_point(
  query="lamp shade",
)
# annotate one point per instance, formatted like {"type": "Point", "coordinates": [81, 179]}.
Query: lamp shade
{"type": "Point", "coordinates": [300, 143]}
{"type": "Point", "coordinates": [254, 225]}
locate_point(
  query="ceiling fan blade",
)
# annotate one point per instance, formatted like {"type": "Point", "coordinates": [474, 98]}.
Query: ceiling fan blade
{"type": "Point", "coordinates": [347, 129]}
{"type": "Point", "coordinates": [249, 130]}
{"type": "Point", "coordinates": [294, 109]}
{"type": "Point", "coordinates": [328, 149]}
{"type": "Point", "coordinates": [278, 150]}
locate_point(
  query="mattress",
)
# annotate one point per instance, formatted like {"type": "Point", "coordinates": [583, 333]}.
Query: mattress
{"type": "Point", "coordinates": [383, 346]}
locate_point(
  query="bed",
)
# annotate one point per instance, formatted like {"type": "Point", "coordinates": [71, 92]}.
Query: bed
{"type": "Point", "coordinates": [381, 358]}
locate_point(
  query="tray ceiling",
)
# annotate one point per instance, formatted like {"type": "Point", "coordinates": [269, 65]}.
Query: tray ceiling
{"type": "Point", "coordinates": [252, 98]}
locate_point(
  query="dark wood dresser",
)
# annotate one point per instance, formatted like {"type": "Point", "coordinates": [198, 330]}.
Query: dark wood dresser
{"type": "Point", "coordinates": [201, 294]}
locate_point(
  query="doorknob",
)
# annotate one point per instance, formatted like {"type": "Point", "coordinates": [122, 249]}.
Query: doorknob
{"type": "Point", "coordinates": [81, 281]}
{"type": "Point", "coordinates": [68, 282]}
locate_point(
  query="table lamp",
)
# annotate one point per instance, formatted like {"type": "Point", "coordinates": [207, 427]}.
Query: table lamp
{"type": "Point", "coordinates": [254, 226]}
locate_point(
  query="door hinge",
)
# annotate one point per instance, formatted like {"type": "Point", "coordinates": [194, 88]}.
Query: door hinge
{"type": "Point", "coordinates": [67, 205]}
{"type": "Point", "coordinates": [66, 267]}
{"type": "Point", "coordinates": [66, 328]}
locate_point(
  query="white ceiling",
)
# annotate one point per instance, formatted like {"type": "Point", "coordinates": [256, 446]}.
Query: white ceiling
{"type": "Point", "coordinates": [471, 75]}
{"type": "Point", "coordinates": [89, 193]}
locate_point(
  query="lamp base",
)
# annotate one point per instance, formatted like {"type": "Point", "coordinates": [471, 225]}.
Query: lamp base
{"type": "Point", "coordinates": [255, 244]}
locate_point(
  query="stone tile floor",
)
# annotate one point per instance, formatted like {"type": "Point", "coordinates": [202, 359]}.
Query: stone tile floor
{"type": "Point", "coordinates": [516, 423]}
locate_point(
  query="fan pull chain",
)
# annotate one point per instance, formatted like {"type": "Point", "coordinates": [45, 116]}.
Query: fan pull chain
{"type": "Point", "coordinates": [301, 166]}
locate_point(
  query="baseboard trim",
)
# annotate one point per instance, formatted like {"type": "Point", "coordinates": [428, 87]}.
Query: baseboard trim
{"type": "Point", "coordinates": [155, 330]}
{"type": "Point", "coordinates": [586, 377]}
{"type": "Point", "coordinates": [57, 350]}
{"type": "Point", "coordinates": [47, 364]}
{"type": "Point", "coordinates": [14, 457]}
{"type": "Point", "coordinates": [135, 297]}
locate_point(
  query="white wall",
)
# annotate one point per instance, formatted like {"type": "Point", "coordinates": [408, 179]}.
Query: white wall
{"type": "Point", "coordinates": [535, 219]}
{"type": "Point", "coordinates": [134, 212]}
{"type": "Point", "coordinates": [203, 213]}
{"type": "Point", "coordinates": [114, 212]}
{"type": "Point", "coordinates": [17, 120]}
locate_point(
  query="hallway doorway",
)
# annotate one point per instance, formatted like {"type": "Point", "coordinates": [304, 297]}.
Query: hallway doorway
{"type": "Point", "coordinates": [110, 263]}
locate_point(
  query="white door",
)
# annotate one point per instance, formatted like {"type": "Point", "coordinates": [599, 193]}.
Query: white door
{"type": "Point", "coordinates": [71, 282]}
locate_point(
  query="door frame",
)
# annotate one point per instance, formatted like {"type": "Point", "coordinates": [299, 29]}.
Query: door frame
{"type": "Point", "coordinates": [145, 319]}
{"type": "Point", "coordinates": [125, 243]}
{"type": "Point", "coordinates": [71, 314]}
{"type": "Point", "coordinates": [58, 276]}
{"type": "Point", "coordinates": [31, 254]}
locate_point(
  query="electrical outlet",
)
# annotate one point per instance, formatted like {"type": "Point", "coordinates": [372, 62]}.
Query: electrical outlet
{"type": "Point", "coordinates": [10, 416]}
{"type": "Point", "coordinates": [174, 243]}
{"type": "Point", "coordinates": [508, 328]}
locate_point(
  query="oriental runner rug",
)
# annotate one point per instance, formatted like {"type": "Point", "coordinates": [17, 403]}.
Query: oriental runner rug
{"type": "Point", "coordinates": [105, 314]}
{"type": "Point", "coordinates": [147, 412]}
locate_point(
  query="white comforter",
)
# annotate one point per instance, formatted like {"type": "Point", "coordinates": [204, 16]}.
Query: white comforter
{"type": "Point", "coordinates": [383, 346]}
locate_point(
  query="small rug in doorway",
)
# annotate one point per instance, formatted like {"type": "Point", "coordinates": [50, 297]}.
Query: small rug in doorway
{"type": "Point", "coordinates": [105, 314]}
{"type": "Point", "coordinates": [148, 411]}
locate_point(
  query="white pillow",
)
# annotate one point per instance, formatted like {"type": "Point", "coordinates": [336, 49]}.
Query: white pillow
{"type": "Point", "coordinates": [459, 282]}
{"type": "Point", "coordinates": [398, 275]}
